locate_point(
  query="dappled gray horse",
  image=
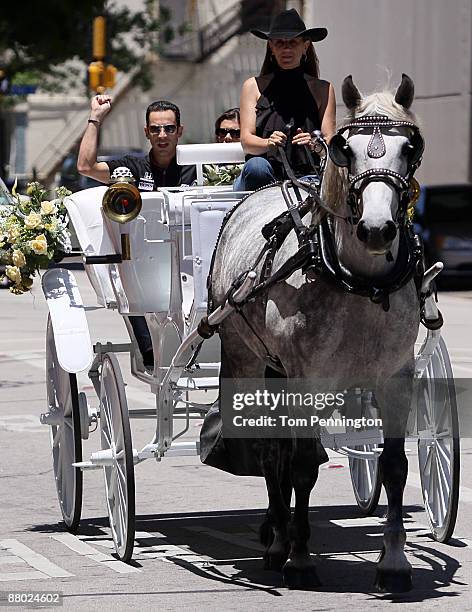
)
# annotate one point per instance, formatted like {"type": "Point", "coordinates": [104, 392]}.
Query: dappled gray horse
{"type": "Point", "coordinates": [353, 318]}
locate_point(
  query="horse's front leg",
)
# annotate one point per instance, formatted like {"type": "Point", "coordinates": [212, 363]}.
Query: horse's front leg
{"type": "Point", "coordinates": [300, 570]}
{"type": "Point", "coordinates": [393, 568]}
{"type": "Point", "coordinates": [274, 530]}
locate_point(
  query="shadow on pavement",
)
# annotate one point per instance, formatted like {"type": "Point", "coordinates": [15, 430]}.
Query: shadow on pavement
{"type": "Point", "coordinates": [226, 544]}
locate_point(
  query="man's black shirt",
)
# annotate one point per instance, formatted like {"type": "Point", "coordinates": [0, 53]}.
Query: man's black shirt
{"type": "Point", "coordinates": [149, 177]}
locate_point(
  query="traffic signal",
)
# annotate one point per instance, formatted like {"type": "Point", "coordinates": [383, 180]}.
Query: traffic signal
{"type": "Point", "coordinates": [99, 38]}
{"type": "Point", "coordinates": [101, 76]}
{"type": "Point", "coordinates": [95, 74]}
{"type": "Point", "coordinates": [109, 76]}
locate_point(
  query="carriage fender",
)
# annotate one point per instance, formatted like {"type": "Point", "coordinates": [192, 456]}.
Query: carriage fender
{"type": "Point", "coordinates": [71, 332]}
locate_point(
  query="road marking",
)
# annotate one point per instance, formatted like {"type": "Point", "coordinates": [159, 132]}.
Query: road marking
{"type": "Point", "coordinates": [28, 423]}
{"type": "Point", "coordinates": [14, 576]}
{"type": "Point", "coordinates": [82, 548]}
{"type": "Point", "coordinates": [10, 559]}
{"type": "Point", "coordinates": [235, 538]}
{"type": "Point", "coordinates": [160, 549]}
{"type": "Point", "coordinates": [44, 567]}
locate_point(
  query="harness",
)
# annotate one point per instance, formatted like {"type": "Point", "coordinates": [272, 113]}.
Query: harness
{"type": "Point", "coordinates": [316, 255]}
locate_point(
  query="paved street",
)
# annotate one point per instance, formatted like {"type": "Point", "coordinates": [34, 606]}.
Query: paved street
{"type": "Point", "coordinates": [197, 528]}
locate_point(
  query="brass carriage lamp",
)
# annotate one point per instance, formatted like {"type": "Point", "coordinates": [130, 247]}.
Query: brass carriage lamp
{"type": "Point", "coordinates": [122, 203]}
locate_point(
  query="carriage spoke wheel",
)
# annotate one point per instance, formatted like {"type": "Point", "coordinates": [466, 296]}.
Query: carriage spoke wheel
{"type": "Point", "coordinates": [119, 477]}
{"type": "Point", "coordinates": [63, 404]}
{"type": "Point", "coordinates": [438, 444]}
{"type": "Point", "coordinates": [365, 474]}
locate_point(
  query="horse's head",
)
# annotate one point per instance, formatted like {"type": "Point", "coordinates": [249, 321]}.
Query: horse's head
{"type": "Point", "coordinates": [381, 146]}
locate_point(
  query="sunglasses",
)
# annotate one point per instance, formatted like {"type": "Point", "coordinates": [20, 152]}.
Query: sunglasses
{"type": "Point", "coordinates": [168, 129]}
{"type": "Point", "coordinates": [221, 132]}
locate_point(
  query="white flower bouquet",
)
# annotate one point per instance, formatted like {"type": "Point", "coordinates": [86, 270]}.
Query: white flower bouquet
{"type": "Point", "coordinates": [33, 232]}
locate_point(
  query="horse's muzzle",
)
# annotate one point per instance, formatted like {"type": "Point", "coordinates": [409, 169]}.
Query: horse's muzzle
{"type": "Point", "coordinates": [377, 239]}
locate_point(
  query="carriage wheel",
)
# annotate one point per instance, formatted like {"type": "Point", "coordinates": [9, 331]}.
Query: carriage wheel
{"type": "Point", "coordinates": [365, 474]}
{"type": "Point", "coordinates": [438, 444]}
{"type": "Point", "coordinates": [63, 403]}
{"type": "Point", "coordinates": [119, 477]}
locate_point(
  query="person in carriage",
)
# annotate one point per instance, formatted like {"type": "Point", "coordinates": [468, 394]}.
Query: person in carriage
{"type": "Point", "coordinates": [158, 169]}
{"type": "Point", "coordinates": [284, 104]}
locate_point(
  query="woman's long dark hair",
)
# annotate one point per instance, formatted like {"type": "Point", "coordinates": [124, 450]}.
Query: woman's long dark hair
{"type": "Point", "coordinates": [310, 65]}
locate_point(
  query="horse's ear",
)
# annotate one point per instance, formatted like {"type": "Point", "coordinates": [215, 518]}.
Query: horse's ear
{"type": "Point", "coordinates": [405, 92]}
{"type": "Point", "coordinates": [351, 95]}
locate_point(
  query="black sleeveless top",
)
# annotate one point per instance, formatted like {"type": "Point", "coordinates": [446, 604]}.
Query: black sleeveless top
{"type": "Point", "coordinates": [285, 104]}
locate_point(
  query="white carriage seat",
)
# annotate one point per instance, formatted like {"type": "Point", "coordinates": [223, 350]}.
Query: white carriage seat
{"type": "Point", "coordinates": [84, 209]}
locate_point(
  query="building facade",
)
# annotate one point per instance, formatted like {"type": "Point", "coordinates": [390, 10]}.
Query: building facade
{"type": "Point", "coordinates": [203, 70]}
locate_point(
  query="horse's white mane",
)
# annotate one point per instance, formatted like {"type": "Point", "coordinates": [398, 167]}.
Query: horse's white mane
{"type": "Point", "coordinates": [334, 187]}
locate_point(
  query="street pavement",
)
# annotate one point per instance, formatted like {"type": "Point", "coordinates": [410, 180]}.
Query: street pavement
{"type": "Point", "coordinates": [197, 528]}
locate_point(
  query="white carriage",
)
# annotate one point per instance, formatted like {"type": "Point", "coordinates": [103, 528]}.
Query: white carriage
{"type": "Point", "coordinates": [156, 265]}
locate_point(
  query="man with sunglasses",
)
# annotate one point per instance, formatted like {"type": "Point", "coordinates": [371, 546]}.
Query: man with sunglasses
{"type": "Point", "coordinates": [158, 169]}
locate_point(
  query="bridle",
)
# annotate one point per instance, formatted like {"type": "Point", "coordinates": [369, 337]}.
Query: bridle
{"type": "Point", "coordinates": [405, 186]}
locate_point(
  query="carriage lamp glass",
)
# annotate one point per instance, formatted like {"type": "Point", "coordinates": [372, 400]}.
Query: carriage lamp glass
{"type": "Point", "coordinates": [122, 202]}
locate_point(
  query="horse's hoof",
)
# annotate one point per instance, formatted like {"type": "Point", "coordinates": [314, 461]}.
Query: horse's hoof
{"type": "Point", "coordinates": [274, 563]}
{"type": "Point", "coordinates": [300, 578]}
{"type": "Point", "coordinates": [393, 582]}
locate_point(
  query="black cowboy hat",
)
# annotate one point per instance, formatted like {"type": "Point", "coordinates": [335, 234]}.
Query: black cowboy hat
{"type": "Point", "coordinates": [289, 24]}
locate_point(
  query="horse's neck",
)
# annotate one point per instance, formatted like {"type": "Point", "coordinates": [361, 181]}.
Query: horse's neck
{"type": "Point", "coordinates": [353, 256]}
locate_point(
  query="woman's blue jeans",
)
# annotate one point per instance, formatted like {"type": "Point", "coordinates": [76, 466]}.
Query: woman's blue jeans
{"type": "Point", "coordinates": [257, 172]}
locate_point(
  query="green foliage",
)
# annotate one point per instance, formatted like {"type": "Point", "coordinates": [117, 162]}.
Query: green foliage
{"type": "Point", "coordinates": [38, 40]}
{"type": "Point", "coordinates": [221, 174]}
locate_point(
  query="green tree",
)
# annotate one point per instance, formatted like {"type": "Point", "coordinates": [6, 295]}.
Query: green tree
{"type": "Point", "coordinates": [37, 38]}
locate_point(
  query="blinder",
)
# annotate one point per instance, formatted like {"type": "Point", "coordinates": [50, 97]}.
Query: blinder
{"type": "Point", "coordinates": [339, 151]}
{"type": "Point", "coordinates": [417, 148]}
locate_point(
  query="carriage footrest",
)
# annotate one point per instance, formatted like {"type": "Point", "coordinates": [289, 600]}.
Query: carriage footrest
{"type": "Point", "coordinates": [198, 384]}
{"type": "Point", "coordinates": [178, 449]}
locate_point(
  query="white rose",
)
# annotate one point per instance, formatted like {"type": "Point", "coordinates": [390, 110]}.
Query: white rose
{"type": "Point", "coordinates": [12, 234]}
{"type": "Point", "coordinates": [33, 220]}
{"type": "Point", "coordinates": [18, 258]}
{"type": "Point", "coordinates": [39, 245]}
{"type": "Point", "coordinates": [48, 208]}
{"type": "Point", "coordinates": [13, 274]}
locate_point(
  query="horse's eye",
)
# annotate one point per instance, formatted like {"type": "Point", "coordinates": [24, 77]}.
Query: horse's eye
{"type": "Point", "coordinates": [407, 148]}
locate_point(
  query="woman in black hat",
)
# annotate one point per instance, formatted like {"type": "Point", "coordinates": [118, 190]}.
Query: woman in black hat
{"type": "Point", "coordinates": [284, 104]}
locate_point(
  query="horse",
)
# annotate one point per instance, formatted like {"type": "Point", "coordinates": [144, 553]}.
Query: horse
{"type": "Point", "coordinates": [353, 317]}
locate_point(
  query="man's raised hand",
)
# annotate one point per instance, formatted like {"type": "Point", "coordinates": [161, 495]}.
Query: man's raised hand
{"type": "Point", "coordinates": [100, 107]}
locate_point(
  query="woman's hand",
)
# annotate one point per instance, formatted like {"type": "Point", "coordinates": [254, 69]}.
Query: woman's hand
{"type": "Point", "coordinates": [302, 138]}
{"type": "Point", "coordinates": [276, 139]}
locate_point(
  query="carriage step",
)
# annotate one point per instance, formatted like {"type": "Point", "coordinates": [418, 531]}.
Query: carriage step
{"type": "Point", "coordinates": [178, 449]}
{"type": "Point", "coordinates": [198, 384]}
